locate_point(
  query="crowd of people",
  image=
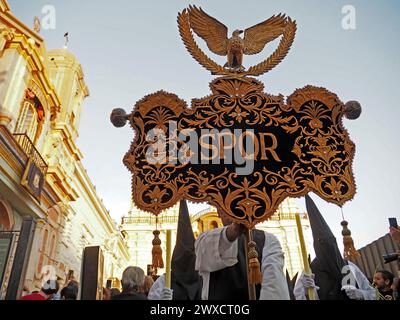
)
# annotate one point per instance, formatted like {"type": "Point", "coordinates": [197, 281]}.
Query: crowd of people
{"type": "Point", "coordinates": [137, 286]}
{"type": "Point", "coordinates": [217, 258]}
{"type": "Point", "coordinates": [54, 290]}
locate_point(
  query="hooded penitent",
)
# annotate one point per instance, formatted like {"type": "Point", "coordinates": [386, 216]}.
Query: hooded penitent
{"type": "Point", "coordinates": [328, 263]}
{"type": "Point", "coordinates": [185, 281]}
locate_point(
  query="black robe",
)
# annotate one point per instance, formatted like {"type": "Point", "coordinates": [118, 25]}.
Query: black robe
{"type": "Point", "coordinates": [328, 263]}
{"type": "Point", "coordinates": [185, 280]}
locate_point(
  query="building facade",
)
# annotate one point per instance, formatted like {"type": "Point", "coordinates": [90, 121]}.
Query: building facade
{"type": "Point", "coordinates": [372, 255]}
{"type": "Point", "coordinates": [41, 173]}
{"type": "Point", "coordinates": [139, 225]}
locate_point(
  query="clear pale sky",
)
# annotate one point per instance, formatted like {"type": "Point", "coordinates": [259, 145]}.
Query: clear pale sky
{"type": "Point", "coordinates": [129, 49]}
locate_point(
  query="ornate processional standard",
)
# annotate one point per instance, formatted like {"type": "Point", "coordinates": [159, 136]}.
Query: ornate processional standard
{"type": "Point", "coordinates": [239, 149]}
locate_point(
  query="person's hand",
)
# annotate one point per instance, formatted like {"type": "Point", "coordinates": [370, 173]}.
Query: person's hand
{"type": "Point", "coordinates": [234, 230]}
{"type": "Point", "coordinates": [166, 294]}
{"type": "Point", "coordinates": [395, 234]}
{"type": "Point", "coordinates": [353, 293]}
{"type": "Point", "coordinates": [307, 281]}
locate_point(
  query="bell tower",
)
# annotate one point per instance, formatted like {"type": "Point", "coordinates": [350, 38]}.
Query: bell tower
{"type": "Point", "coordinates": [68, 79]}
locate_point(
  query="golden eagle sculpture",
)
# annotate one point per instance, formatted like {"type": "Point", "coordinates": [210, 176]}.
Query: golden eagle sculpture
{"type": "Point", "coordinates": [215, 34]}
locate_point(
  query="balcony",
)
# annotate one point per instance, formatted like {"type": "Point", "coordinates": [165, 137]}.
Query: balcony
{"type": "Point", "coordinates": [286, 216]}
{"type": "Point", "coordinates": [31, 152]}
{"type": "Point", "coordinates": [150, 219]}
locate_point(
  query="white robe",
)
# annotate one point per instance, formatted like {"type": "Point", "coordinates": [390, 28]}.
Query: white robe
{"type": "Point", "coordinates": [367, 290]}
{"type": "Point", "coordinates": [156, 288]}
{"type": "Point", "coordinates": [215, 252]}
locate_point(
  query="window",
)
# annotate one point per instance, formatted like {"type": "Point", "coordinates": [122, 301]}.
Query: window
{"type": "Point", "coordinates": [5, 223]}
{"type": "Point", "coordinates": [43, 251]}
{"type": "Point", "coordinates": [31, 117]}
{"type": "Point", "coordinates": [52, 252]}
{"type": "Point", "coordinates": [27, 122]}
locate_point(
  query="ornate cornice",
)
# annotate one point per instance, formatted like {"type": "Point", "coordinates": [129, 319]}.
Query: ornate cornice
{"type": "Point", "coordinates": [8, 19]}
{"type": "Point", "coordinates": [35, 60]}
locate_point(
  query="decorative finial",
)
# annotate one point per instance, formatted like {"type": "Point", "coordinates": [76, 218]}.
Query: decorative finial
{"type": "Point", "coordinates": [36, 25]}
{"type": "Point", "coordinates": [352, 110]}
{"type": "Point", "coordinates": [118, 117]}
{"type": "Point", "coordinates": [66, 36]}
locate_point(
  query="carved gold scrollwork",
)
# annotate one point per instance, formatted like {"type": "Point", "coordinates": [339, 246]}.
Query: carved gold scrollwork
{"type": "Point", "coordinates": [309, 150]}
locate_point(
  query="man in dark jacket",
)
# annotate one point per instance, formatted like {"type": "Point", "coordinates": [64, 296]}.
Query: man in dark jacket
{"type": "Point", "coordinates": [132, 280]}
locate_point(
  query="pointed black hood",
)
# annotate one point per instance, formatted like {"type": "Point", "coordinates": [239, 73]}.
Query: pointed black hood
{"type": "Point", "coordinates": [328, 263]}
{"type": "Point", "coordinates": [185, 280]}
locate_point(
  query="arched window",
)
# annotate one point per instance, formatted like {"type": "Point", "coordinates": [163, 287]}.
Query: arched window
{"type": "Point", "coordinates": [43, 251]}
{"type": "Point", "coordinates": [31, 117]}
{"type": "Point", "coordinates": [27, 121]}
{"type": "Point", "coordinates": [51, 254]}
{"type": "Point", "coordinates": [5, 221]}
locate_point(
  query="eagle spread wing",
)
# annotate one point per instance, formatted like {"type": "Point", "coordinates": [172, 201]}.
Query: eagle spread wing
{"type": "Point", "coordinates": [256, 37]}
{"type": "Point", "coordinates": [213, 32]}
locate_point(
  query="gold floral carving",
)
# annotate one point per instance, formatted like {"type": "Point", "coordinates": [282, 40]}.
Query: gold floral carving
{"type": "Point", "coordinates": [314, 151]}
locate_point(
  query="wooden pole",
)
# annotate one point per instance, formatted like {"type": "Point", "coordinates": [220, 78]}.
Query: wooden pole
{"type": "Point", "coordinates": [307, 269]}
{"type": "Point", "coordinates": [168, 260]}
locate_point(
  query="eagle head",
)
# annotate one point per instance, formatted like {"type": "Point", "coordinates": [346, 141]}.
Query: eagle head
{"type": "Point", "coordinates": [237, 33]}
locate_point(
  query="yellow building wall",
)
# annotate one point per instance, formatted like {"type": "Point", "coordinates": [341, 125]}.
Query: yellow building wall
{"type": "Point", "coordinates": [70, 214]}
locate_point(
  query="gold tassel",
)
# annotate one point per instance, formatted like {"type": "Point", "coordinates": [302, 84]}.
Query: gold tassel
{"type": "Point", "coordinates": [350, 252]}
{"type": "Point", "coordinates": [156, 252]}
{"type": "Point", "coordinates": [254, 272]}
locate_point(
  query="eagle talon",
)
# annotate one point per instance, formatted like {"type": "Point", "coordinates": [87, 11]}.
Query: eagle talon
{"type": "Point", "coordinates": [235, 69]}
